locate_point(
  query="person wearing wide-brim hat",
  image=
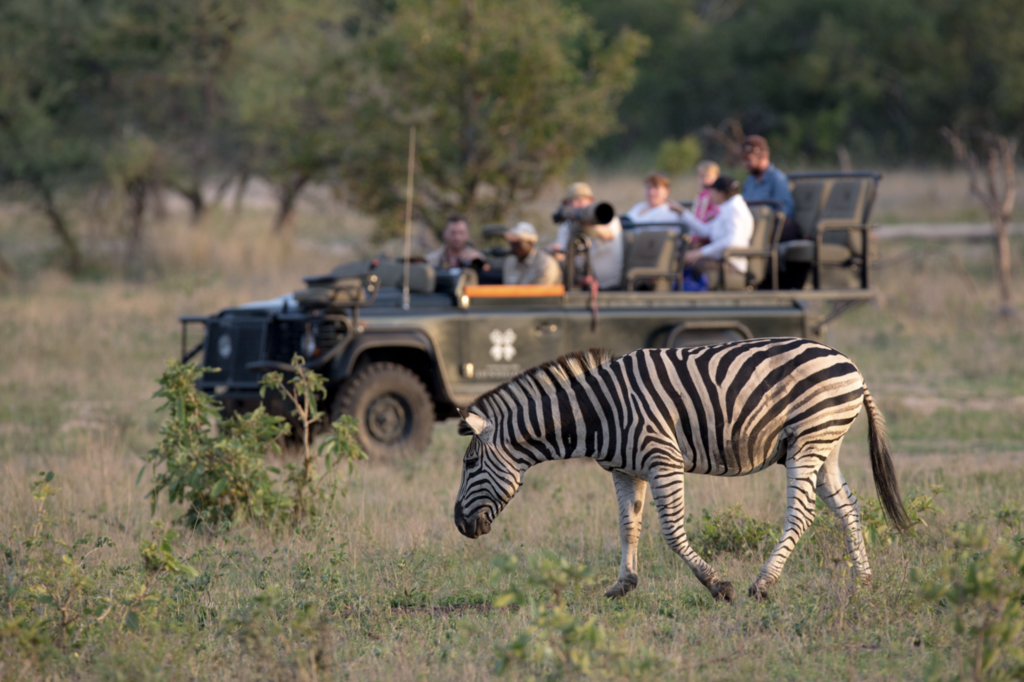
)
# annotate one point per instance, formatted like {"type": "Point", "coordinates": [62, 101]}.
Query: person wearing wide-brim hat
{"type": "Point", "coordinates": [527, 264]}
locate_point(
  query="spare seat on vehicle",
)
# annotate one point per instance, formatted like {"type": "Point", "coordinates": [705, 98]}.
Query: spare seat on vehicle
{"type": "Point", "coordinates": [650, 256]}
{"type": "Point", "coordinates": [831, 215]}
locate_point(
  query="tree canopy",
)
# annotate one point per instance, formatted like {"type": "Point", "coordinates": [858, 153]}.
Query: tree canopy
{"type": "Point", "coordinates": [504, 95]}
{"type": "Point", "coordinates": [142, 95]}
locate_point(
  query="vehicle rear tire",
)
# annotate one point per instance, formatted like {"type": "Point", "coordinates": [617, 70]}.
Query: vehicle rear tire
{"type": "Point", "coordinates": [393, 408]}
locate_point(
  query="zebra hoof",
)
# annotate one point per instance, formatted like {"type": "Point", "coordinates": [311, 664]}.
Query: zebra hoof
{"type": "Point", "coordinates": [723, 591]}
{"type": "Point", "coordinates": [758, 593]}
{"type": "Point", "coordinates": [623, 586]}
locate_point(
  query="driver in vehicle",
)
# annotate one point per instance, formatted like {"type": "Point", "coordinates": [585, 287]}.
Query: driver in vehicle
{"type": "Point", "coordinates": [606, 250]}
{"type": "Point", "coordinates": [456, 252]}
{"type": "Point", "coordinates": [527, 264]}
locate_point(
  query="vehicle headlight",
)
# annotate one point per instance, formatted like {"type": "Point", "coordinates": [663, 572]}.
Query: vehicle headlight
{"type": "Point", "coordinates": [224, 346]}
{"type": "Point", "coordinates": [309, 343]}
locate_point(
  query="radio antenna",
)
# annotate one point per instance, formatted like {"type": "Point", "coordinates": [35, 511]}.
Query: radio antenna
{"type": "Point", "coordinates": [408, 216]}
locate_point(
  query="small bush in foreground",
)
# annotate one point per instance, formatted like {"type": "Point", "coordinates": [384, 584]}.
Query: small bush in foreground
{"type": "Point", "coordinates": [981, 587]}
{"type": "Point", "coordinates": [302, 391]}
{"type": "Point", "coordinates": [216, 465]}
{"type": "Point", "coordinates": [61, 607]}
{"type": "Point", "coordinates": [558, 644]}
{"type": "Point", "coordinates": [734, 531]}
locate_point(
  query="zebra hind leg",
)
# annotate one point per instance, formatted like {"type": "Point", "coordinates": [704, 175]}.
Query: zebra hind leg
{"type": "Point", "coordinates": [802, 474]}
{"type": "Point", "coordinates": [834, 492]}
{"type": "Point", "coordinates": [667, 490]}
{"type": "Point", "coordinates": [630, 492]}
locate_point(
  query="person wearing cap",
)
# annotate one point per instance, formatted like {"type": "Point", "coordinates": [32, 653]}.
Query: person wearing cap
{"type": "Point", "coordinates": [765, 182]}
{"type": "Point", "coordinates": [456, 252]}
{"type": "Point", "coordinates": [527, 264]}
{"type": "Point", "coordinates": [732, 227]}
{"type": "Point", "coordinates": [657, 210]}
{"type": "Point", "coordinates": [606, 250]}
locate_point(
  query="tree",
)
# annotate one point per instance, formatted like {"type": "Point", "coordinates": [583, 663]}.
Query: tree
{"type": "Point", "coordinates": [504, 96]}
{"type": "Point", "coordinates": [172, 63]}
{"type": "Point", "coordinates": [998, 194]}
{"type": "Point", "coordinates": [877, 76]}
{"type": "Point", "coordinates": [47, 73]}
{"type": "Point", "coordinates": [291, 94]}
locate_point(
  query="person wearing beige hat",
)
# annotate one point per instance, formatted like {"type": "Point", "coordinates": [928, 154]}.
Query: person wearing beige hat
{"type": "Point", "coordinates": [606, 250]}
{"type": "Point", "coordinates": [527, 264]}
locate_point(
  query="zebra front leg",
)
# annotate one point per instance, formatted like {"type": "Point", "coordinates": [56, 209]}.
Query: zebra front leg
{"type": "Point", "coordinates": [667, 490]}
{"type": "Point", "coordinates": [834, 492]}
{"type": "Point", "coordinates": [802, 475]}
{"type": "Point", "coordinates": [630, 492]}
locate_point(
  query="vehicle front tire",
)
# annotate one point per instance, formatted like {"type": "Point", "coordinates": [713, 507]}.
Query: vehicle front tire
{"type": "Point", "coordinates": [393, 408]}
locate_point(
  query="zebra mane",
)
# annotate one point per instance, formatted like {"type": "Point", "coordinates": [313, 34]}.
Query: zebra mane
{"type": "Point", "coordinates": [569, 365]}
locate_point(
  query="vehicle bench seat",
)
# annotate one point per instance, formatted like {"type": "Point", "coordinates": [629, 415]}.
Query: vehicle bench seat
{"type": "Point", "coordinates": [831, 215]}
{"type": "Point", "coordinates": [650, 257]}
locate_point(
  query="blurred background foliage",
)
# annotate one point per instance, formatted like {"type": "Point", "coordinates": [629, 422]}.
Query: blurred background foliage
{"type": "Point", "coordinates": [199, 97]}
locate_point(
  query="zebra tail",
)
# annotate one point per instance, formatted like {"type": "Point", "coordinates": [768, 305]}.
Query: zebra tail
{"type": "Point", "coordinates": [886, 485]}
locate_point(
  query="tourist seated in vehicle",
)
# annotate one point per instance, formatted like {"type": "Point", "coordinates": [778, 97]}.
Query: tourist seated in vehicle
{"type": "Point", "coordinates": [606, 249]}
{"type": "Point", "coordinates": [456, 251]}
{"type": "Point", "coordinates": [765, 182]}
{"type": "Point", "coordinates": [703, 207]}
{"type": "Point", "coordinates": [658, 209]}
{"type": "Point", "coordinates": [527, 264]}
{"type": "Point", "coordinates": [733, 226]}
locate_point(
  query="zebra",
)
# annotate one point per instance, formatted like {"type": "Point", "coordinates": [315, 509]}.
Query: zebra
{"type": "Point", "coordinates": [654, 415]}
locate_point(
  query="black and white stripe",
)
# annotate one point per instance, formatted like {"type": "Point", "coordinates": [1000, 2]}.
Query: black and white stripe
{"type": "Point", "coordinates": [654, 415]}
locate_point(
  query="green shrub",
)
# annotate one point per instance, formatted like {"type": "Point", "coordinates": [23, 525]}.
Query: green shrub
{"type": "Point", "coordinates": [558, 644]}
{"type": "Point", "coordinates": [736, 532]}
{"type": "Point", "coordinates": [303, 391]}
{"type": "Point", "coordinates": [216, 466]}
{"type": "Point", "coordinates": [213, 465]}
{"type": "Point", "coordinates": [878, 531]}
{"type": "Point", "coordinates": [60, 607]}
{"type": "Point", "coordinates": [283, 639]}
{"type": "Point", "coordinates": [981, 586]}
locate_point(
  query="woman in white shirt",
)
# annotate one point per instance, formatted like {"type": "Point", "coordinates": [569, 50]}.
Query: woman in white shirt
{"type": "Point", "coordinates": [733, 227]}
{"type": "Point", "coordinates": [657, 209]}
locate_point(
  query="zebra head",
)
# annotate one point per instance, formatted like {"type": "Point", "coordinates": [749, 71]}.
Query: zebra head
{"type": "Point", "coordinates": [489, 478]}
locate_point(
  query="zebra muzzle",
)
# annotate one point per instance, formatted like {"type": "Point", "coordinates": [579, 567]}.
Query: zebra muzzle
{"type": "Point", "coordinates": [472, 527]}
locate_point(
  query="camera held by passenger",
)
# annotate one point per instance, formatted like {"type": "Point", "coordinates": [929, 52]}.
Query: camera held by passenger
{"type": "Point", "coordinates": [598, 213]}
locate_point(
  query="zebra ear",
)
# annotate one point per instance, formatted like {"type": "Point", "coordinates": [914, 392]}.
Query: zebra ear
{"type": "Point", "coordinates": [475, 423]}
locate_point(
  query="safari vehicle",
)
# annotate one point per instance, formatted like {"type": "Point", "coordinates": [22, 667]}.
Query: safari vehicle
{"type": "Point", "coordinates": [404, 345]}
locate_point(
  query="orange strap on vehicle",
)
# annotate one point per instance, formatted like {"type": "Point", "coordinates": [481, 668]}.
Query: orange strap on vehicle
{"type": "Point", "coordinates": [514, 290]}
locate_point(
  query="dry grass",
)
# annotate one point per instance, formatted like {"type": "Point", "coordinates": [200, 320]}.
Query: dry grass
{"type": "Point", "coordinates": [398, 592]}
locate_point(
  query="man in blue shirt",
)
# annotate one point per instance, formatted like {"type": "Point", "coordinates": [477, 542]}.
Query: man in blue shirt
{"type": "Point", "coordinates": [765, 182]}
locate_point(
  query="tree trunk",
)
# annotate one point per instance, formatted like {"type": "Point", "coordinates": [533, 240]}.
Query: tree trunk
{"type": "Point", "coordinates": [289, 191]}
{"type": "Point", "coordinates": [194, 196]}
{"type": "Point", "coordinates": [243, 183]}
{"type": "Point", "coordinates": [6, 271]}
{"type": "Point", "coordinates": [1003, 257]}
{"type": "Point", "coordinates": [136, 211]}
{"type": "Point", "coordinates": [60, 226]}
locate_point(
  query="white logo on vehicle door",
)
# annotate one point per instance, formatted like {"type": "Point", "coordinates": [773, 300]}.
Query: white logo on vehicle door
{"type": "Point", "coordinates": [503, 344]}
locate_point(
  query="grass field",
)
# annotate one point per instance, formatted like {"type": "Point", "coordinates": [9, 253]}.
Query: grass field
{"type": "Point", "coordinates": [384, 587]}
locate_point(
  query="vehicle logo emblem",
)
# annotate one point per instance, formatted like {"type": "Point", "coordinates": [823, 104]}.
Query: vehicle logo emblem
{"type": "Point", "coordinates": [503, 347]}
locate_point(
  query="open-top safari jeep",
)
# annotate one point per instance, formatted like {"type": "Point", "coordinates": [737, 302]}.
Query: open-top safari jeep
{"type": "Point", "coordinates": [398, 369]}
